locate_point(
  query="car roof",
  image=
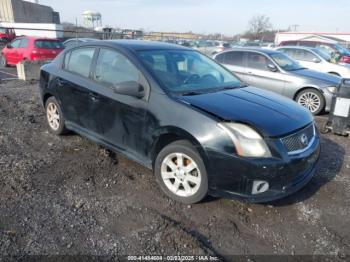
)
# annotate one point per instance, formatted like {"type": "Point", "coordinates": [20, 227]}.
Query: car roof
{"type": "Point", "coordinates": [82, 39]}
{"type": "Point", "coordinates": [138, 45]}
{"type": "Point", "coordinates": [35, 38]}
{"type": "Point", "coordinates": [298, 47]}
{"type": "Point", "coordinates": [252, 49]}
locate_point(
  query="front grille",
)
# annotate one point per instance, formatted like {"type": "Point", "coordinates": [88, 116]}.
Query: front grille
{"type": "Point", "coordinates": [299, 141]}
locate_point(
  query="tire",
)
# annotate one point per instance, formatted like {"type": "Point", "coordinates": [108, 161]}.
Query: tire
{"type": "Point", "coordinates": [54, 117]}
{"type": "Point", "coordinates": [187, 186]}
{"type": "Point", "coordinates": [312, 99]}
{"type": "Point", "coordinates": [3, 62]}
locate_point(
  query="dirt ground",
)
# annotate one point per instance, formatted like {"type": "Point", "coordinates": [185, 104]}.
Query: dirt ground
{"type": "Point", "coordinates": [67, 196]}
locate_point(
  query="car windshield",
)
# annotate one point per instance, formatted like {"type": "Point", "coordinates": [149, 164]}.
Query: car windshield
{"type": "Point", "coordinates": [342, 50]}
{"type": "Point", "coordinates": [285, 62]}
{"type": "Point", "coordinates": [187, 72]}
{"type": "Point", "coordinates": [49, 44]}
{"type": "Point", "coordinates": [322, 54]}
{"type": "Point", "coordinates": [2, 31]}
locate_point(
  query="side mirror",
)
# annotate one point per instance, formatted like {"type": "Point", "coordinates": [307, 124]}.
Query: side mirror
{"type": "Point", "coordinates": [9, 46]}
{"type": "Point", "coordinates": [130, 88]}
{"type": "Point", "coordinates": [272, 67]}
{"type": "Point", "coordinates": [316, 60]}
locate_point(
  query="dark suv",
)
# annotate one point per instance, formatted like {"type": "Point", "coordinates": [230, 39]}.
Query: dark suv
{"type": "Point", "coordinates": [330, 48]}
{"type": "Point", "coordinates": [181, 114]}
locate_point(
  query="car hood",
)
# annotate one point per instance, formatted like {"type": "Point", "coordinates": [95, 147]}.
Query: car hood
{"type": "Point", "coordinates": [271, 114]}
{"type": "Point", "coordinates": [319, 76]}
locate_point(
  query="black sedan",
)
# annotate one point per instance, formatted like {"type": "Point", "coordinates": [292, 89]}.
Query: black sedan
{"type": "Point", "coordinates": [181, 114]}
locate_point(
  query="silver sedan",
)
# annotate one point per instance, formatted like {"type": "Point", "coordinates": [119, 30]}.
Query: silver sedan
{"type": "Point", "coordinates": [274, 71]}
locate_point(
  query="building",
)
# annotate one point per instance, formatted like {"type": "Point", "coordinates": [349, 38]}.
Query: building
{"type": "Point", "coordinates": [341, 38]}
{"type": "Point", "coordinates": [19, 11]}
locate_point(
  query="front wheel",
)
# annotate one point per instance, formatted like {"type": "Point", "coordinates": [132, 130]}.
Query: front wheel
{"type": "Point", "coordinates": [181, 173]}
{"type": "Point", "coordinates": [312, 99]}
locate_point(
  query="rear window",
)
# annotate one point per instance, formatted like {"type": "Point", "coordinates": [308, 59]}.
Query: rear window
{"type": "Point", "coordinates": [49, 44]}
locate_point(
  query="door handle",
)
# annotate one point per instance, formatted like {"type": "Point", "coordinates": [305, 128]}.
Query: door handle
{"type": "Point", "coordinates": [94, 97]}
{"type": "Point", "coordinates": [61, 82]}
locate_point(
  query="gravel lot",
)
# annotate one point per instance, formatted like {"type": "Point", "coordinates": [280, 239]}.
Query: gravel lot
{"type": "Point", "coordinates": [67, 196]}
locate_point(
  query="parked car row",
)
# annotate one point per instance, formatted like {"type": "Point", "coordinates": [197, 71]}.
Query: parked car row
{"type": "Point", "coordinates": [331, 49]}
{"type": "Point", "coordinates": [211, 47]}
{"type": "Point", "coordinates": [263, 68]}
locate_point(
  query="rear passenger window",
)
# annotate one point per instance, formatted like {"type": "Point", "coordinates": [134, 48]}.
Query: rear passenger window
{"type": "Point", "coordinates": [221, 58]}
{"type": "Point", "coordinates": [113, 68]}
{"type": "Point", "coordinates": [257, 61]}
{"type": "Point", "coordinates": [79, 61]}
{"type": "Point", "coordinates": [49, 44]}
{"type": "Point", "coordinates": [234, 58]}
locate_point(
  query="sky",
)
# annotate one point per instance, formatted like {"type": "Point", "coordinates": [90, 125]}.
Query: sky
{"type": "Point", "coordinates": [228, 17]}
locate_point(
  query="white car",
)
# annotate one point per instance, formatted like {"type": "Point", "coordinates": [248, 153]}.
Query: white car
{"type": "Point", "coordinates": [316, 59]}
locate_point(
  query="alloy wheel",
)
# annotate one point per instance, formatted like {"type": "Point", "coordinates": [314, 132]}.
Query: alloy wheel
{"type": "Point", "coordinates": [53, 116]}
{"type": "Point", "coordinates": [180, 174]}
{"type": "Point", "coordinates": [311, 101]}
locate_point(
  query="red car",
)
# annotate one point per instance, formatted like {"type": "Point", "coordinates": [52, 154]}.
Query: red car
{"type": "Point", "coordinates": [7, 35]}
{"type": "Point", "coordinates": [327, 47]}
{"type": "Point", "coordinates": [31, 49]}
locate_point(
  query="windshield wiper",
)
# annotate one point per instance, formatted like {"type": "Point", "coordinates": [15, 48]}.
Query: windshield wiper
{"type": "Point", "coordinates": [191, 93]}
{"type": "Point", "coordinates": [232, 87]}
{"type": "Point", "coordinates": [296, 69]}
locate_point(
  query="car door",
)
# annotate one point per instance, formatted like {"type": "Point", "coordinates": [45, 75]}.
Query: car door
{"type": "Point", "coordinates": [12, 52]}
{"type": "Point", "coordinates": [74, 87]}
{"type": "Point", "coordinates": [115, 118]}
{"type": "Point", "coordinates": [259, 74]}
{"type": "Point", "coordinates": [234, 61]}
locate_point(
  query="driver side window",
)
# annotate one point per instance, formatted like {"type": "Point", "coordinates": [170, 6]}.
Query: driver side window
{"type": "Point", "coordinates": [257, 61]}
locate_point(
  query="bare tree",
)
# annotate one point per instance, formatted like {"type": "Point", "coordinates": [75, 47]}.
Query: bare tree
{"type": "Point", "coordinates": [258, 25]}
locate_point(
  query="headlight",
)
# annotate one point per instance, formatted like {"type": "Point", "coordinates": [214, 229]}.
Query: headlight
{"type": "Point", "coordinates": [247, 141]}
{"type": "Point", "coordinates": [332, 89]}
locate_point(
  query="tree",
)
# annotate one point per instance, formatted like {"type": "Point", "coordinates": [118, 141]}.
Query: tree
{"type": "Point", "coordinates": [258, 25]}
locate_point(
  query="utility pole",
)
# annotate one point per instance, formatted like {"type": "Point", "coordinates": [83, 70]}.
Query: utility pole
{"type": "Point", "coordinates": [295, 27]}
{"type": "Point", "coordinates": [76, 28]}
